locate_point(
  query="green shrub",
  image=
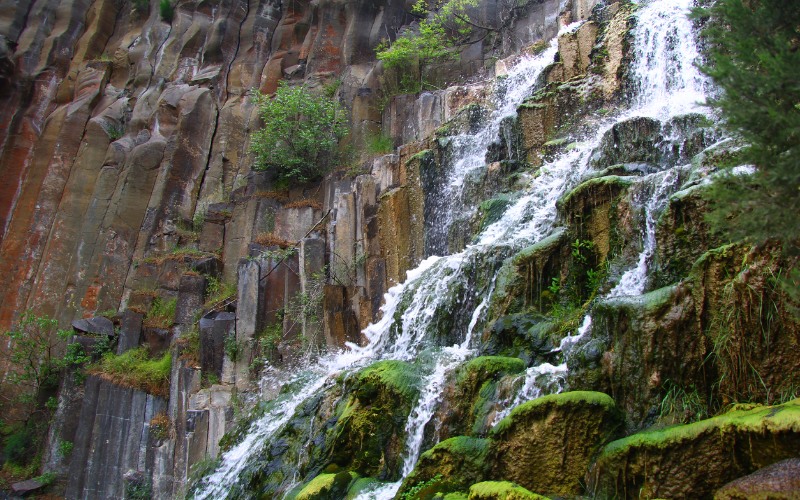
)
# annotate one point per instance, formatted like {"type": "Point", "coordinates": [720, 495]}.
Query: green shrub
{"type": "Point", "coordinates": [167, 11]}
{"type": "Point", "coordinates": [301, 134]}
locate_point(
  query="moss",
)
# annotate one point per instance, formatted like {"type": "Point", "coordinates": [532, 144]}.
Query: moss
{"type": "Point", "coordinates": [360, 486]}
{"type": "Point", "coordinates": [392, 375]}
{"type": "Point", "coordinates": [693, 460]}
{"type": "Point", "coordinates": [369, 433]}
{"type": "Point", "coordinates": [501, 490]}
{"type": "Point", "coordinates": [450, 466]}
{"type": "Point", "coordinates": [484, 367]}
{"type": "Point", "coordinates": [614, 182]}
{"type": "Point", "coordinates": [544, 403]}
{"type": "Point", "coordinates": [135, 369]}
{"type": "Point", "coordinates": [490, 211]}
{"type": "Point", "coordinates": [327, 486]}
{"type": "Point", "coordinates": [546, 445]}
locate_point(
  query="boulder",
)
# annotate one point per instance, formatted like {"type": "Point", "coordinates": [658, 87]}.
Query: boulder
{"type": "Point", "coordinates": [97, 325]}
{"type": "Point", "coordinates": [547, 444]}
{"type": "Point", "coordinates": [694, 460]}
{"type": "Point", "coordinates": [780, 480]}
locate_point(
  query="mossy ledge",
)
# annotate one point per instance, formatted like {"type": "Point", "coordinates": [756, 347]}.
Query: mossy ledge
{"type": "Point", "coordinates": [450, 466]}
{"type": "Point", "coordinates": [694, 460]}
{"type": "Point", "coordinates": [546, 445]}
{"type": "Point", "coordinates": [501, 490]}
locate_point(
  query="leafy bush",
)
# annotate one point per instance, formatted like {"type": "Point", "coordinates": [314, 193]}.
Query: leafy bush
{"type": "Point", "coordinates": [167, 11]}
{"type": "Point", "coordinates": [301, 134]}
{"type": "Point", "coordinates": [445, 26]}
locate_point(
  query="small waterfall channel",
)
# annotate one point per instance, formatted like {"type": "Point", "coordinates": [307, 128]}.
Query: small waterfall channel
{"type": "Point", "coordinates": [451, 293]}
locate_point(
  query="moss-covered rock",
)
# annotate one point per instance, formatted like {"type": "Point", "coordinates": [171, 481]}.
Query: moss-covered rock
{"type": "Point", "coordinates": [546, 445]}
{"type": "Point", "coordinates": [523, 277]}
{"type": "Point", "coordinates": [327, 486]}
{"type": "Point", "coordinates": [450, 466]}
{"type": "Point", "coordinates": [682, 236]}
{"type": "Point", "coordinates": [469, 402]}
{"type": "Point", "coordinates": [594, 212]}
{"type": "Point", "coordinates": [360, 486]}
{"type": "Point", "coordinates": [650, 340]}
{"type": "Point", "coordinates": [501, 490]}
{"type": "Point", "coordinates": [369, 435]}
{"type": "Point", "coordinates": [745, 313]}
{"type": "Point", "coordinates": [692, 461]}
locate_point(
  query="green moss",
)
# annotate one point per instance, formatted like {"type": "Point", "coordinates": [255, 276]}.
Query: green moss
{"type": "Point", "coordinates": [422, 156]}
{"type": "Point", "coordinates": [484, 367]}
{"type": "Point", "coordinates": [327, 486]}
{"type": "Point", "coordinates": [369, 433]}
{"type": "Point", "coordinates": [456, 496]}
{"type": "Point", "coordinates": [136, 369]}
{"type": "Point", "coordinates": [757, 420]}
{"type": "Point", "coordinates": [360, 486]}
{"type": "Point", "coordinates": [611, 181]}
{"type": "Point", "coordinates": [556, 436]}
{"type": "Point", "coordinates": [449, 467]}
{"type": "Point", "coordinates": [392, 375]}
{"type": "Point", "coordinates": [501, 490]}
{"type": "Point", "coordinates": [542, 405]}
{"type": "Point", "coordinates": [490, 211]}
{"type": "Point", "coordinates": [694, 460]}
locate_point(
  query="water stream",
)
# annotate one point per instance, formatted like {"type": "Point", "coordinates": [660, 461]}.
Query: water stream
{"type": "Point", "coordinates": [443, 290]}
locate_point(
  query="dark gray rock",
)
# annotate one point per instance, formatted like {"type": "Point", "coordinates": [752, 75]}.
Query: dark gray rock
{"type": "Point", "coordinates": [214, 327]}
{"type": "Point", "coordinates": [191, 291]}
{"type": "Point", "coordinates": [97, 325]}
{"type": "Point", "coordinates": [130, 331]}
{"type": "Point", "coordinates": [25, 487]}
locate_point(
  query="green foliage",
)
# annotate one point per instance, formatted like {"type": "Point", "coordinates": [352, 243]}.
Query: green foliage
{"type": "Point", "coordinates": [136, 369]}
{"type": "Point", "coordinates": [139, 490]}
{"type": "Point", "coordinates": [445, 25]}
{"type": "Point", "coordinates": [754, 59]}
{"type": "Point", "coordinates": [114, 132]}
{"type": "Point", "coordinates": [32, 356]}
{"type": "Point", "coordinates": [65, 448]}
{"type": "Point", "coordinates": [419, 488]}
{"type": "Point", "coordinates": [232, 347]}
{"type": "Point", "coordinates": [682, 405]}
{"type": "Point", "coordinates": [167, 11]}
{"type": "Point", "coordinates": [300, 136]}
{"type": "Point", "coordinates": [218, 291]}
{"type": "Point", "coordinates": [17, 445]}
{"type": "Point", "coordinates": [379, 144]}
{"type": "Point", "coordinates": [47, 478]}
{"type": "Point", "coordinates": [161, 313]}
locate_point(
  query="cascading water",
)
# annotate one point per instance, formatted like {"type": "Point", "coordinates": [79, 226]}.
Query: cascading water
{"type": "Point", "coordinates": [443, 289]}
{"type": "Point", "coordinates": [666, 84]}
{"type": "Point", "coordinates": [402, 334]}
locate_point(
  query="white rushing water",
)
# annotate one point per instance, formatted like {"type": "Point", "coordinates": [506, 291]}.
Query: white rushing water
{"type": "Point", "coordinates": [668, 85]}
{"type": "Point", "coordinates": [429, 284]}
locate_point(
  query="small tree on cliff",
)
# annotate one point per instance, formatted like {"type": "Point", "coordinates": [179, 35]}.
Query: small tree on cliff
{"type": "Point", "coordinates": [301, 134]}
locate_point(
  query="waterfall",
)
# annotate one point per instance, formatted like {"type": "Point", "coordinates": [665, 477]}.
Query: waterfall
{"type": "Point", "coordinates": [667, 84]}
{"type": "Point", "coordinates": [442, 288]}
